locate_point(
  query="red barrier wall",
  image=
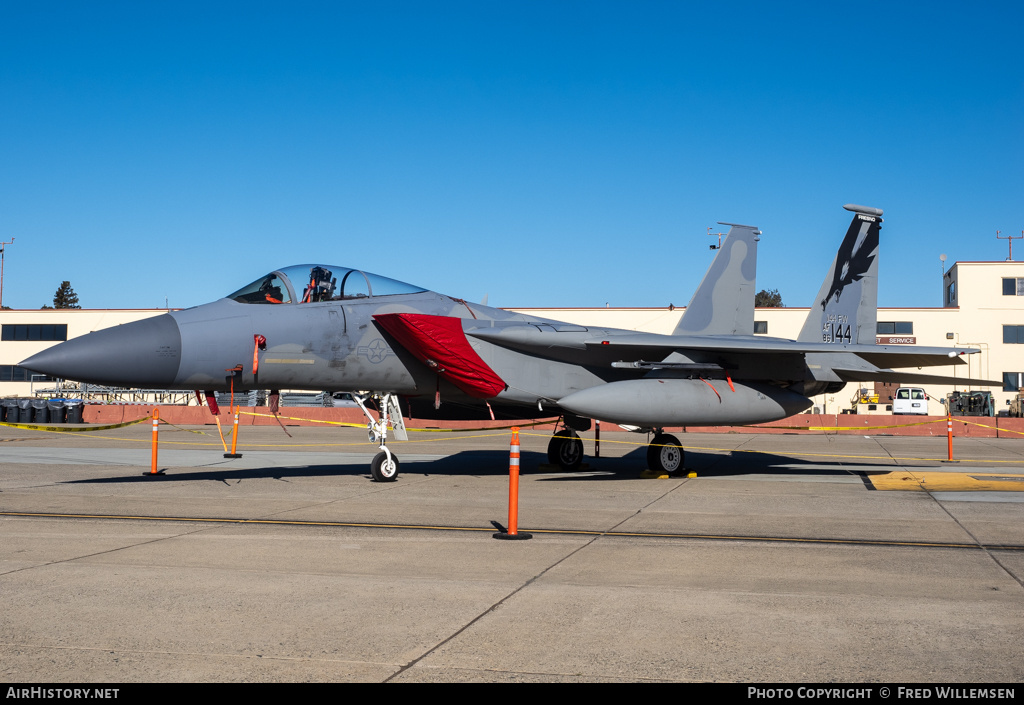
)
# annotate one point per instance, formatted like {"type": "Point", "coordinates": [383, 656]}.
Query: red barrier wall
{"type": "Point", "coordinates": [975, 426]}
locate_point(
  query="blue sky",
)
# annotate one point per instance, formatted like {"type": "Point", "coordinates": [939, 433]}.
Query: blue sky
{"type": "Point", "coordinates": [541, 153]}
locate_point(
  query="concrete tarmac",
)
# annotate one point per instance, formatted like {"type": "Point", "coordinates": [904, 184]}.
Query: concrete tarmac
{"type": "Point", "coordinates": [788, 558]}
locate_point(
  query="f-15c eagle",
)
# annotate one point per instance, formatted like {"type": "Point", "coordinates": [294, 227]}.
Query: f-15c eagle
{"type": "Point", "coordinates": [428, 355]}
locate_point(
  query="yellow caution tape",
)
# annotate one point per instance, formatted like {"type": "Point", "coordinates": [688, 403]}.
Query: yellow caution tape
{"type": "Point", "coordinates": [846, 428]}
{"type": "Point", "coordinates": [77, 429]}
{"type": "Point", "coordinates": [794, 453]}
{"type": "Point", "coordinates": [295, 418]}
{"type": "Point", "coordinates": [187, 430]}
{"type": "Point", "coordinates": [72, 429]}
{"type": "Point", "coordinates": [956, 419]}
{"type": "Point", "coordinates": [414, 430]}
{"type": "Point", "coordinates": [1003, 430]}
{"type": "Point", "coordinates": [483, 428]}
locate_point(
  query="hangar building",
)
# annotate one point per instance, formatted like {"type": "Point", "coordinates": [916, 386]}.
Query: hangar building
{"type": "Point", "coordinates": [983, 308]}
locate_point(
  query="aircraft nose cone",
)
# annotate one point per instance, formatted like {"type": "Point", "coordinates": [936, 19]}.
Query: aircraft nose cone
{"type": "Point", "coordinates": [142, 354]}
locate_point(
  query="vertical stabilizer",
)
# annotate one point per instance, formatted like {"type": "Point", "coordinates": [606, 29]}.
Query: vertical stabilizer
{"type": "Point", "coordinates": [846, 308]}
{"type": "Point", "coordinates": [724, 302]}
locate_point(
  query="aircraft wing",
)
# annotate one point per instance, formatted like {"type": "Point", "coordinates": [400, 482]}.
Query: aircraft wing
{"type": "Point", "coordinates": [916, 356]}
{"type": "Point", "coordinates": [848, 362]}
{"type": "Point", "coordinates": [531, 338]}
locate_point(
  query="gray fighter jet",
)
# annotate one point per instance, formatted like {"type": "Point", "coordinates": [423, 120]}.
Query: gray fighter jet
{"type": "Point", "coordinates": [423, 354]}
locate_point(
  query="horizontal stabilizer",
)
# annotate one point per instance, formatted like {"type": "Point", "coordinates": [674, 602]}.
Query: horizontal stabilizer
{"type": "Point", "coordinates": [909, 357]}
{"type": "Point", "coordinates": [859, 375]}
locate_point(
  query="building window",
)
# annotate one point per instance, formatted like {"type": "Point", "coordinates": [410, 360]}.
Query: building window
{"type": "Point", "coordinates": [895, 328]}
{"type": "Point", "coordinates": [1013, 335]}
{"type": "Point", "coordinates": [1013, 286]}
{"type": "Point", "coordinates": [13, 373]}
{"type": "Point", "coordinates": [951, 293]}
{"type": "Point", "coordinates": [1013, 381]}
{"type": "Point", "coordinates": [33, 332]}
{"type": "Point", "coordinates": [761, 327]}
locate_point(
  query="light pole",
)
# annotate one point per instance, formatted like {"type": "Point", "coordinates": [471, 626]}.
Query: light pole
{"type": "Point", "coordinates": [942, 266]}
{"type": "Point", "coordinates": [2, 245]}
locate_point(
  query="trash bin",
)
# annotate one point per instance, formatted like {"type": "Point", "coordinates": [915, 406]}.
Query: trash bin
{"type": "Point", "coordinates": [57, 411]}
{"type": "Point", "coordinates": [24, 411]}
{"type": "Point", "coordinates": [40, 413]}
{"type": "Point", "coordinates": [75, 408]}
{"type": "Point", "coordinates": [10, 407]}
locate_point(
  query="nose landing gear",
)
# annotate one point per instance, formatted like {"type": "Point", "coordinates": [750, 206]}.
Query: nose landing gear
{"type": "Point", "coordinates": [384, 467]}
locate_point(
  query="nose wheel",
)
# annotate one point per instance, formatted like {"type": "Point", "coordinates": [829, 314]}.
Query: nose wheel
{"type": "Point", "coordinates": [384, 467]}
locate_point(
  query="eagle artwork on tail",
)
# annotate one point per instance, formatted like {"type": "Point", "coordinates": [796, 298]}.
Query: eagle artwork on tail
{"type": "Point", "coordinates": [858, 251]}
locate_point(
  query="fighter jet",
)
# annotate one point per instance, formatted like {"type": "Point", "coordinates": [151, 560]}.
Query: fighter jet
{"type": "Point", "coordinates": [414, 352]}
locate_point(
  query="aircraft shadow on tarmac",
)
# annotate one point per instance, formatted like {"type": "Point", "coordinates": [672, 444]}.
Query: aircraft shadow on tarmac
{"type": "Point", "coordinates": [736, 463]}
{"type": "Point", "coordinates": [225, 474]}
{"type": "Point", "coordinates": [495, 462]}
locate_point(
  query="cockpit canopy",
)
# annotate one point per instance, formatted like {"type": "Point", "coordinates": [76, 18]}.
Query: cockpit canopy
{"type": "Point", "coordinates": [307, 283]}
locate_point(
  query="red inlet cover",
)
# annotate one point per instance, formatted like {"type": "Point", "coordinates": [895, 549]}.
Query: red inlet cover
{"type": "Point", "coordinates": [440, 339]}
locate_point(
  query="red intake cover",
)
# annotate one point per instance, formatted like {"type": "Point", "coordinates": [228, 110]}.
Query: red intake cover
{"type": "Point", "coordinates": [440, 339]}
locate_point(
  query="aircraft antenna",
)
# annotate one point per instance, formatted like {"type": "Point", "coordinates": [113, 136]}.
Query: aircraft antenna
{"type": "Point", "coordinates": [719, 236]}
{"type": "Point", "coordinates": [1010, 238]}
{"type": "Point", "coordinates": [2, 246]}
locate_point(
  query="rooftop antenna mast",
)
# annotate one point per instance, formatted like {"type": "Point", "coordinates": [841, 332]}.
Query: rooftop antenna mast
{"type": "Point", "coordinates": [2, 246]}
{"type": "Point", "coordinates": [1010, 238]}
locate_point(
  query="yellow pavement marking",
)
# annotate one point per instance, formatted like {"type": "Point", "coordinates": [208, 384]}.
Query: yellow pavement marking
{"type": "Point", "coordinates": [918, 481]}
{"type": "Point", "coordinates": [576, 532]}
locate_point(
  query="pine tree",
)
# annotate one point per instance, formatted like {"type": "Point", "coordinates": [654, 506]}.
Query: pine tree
{"type": "Point", "coordinates": [65, 296]}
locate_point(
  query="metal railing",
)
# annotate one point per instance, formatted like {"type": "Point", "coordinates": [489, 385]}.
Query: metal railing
{"type": "Point", "coordinates": [100, 394]}
{"type": "Point", "coordinates": [97, 393]}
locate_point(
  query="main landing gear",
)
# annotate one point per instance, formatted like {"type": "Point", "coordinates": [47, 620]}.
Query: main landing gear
{"type": "Point", "coordinates": [665, 453]}
{"type": "Point", "coordinates": [565, 449]}
{"type": "Point", "coordinates": [384, 467]}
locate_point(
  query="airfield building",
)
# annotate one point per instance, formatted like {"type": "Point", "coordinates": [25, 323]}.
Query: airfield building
{"type": "Point", "coordinates": [982, 308]}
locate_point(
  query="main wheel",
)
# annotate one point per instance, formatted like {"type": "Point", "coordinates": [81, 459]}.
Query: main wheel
{"type": "Point", "coordinates": [665, 454]}
{"type": "Point", "coordinates": [565, 449]}
{"type": "Point", "coordinates": [382, 469]}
